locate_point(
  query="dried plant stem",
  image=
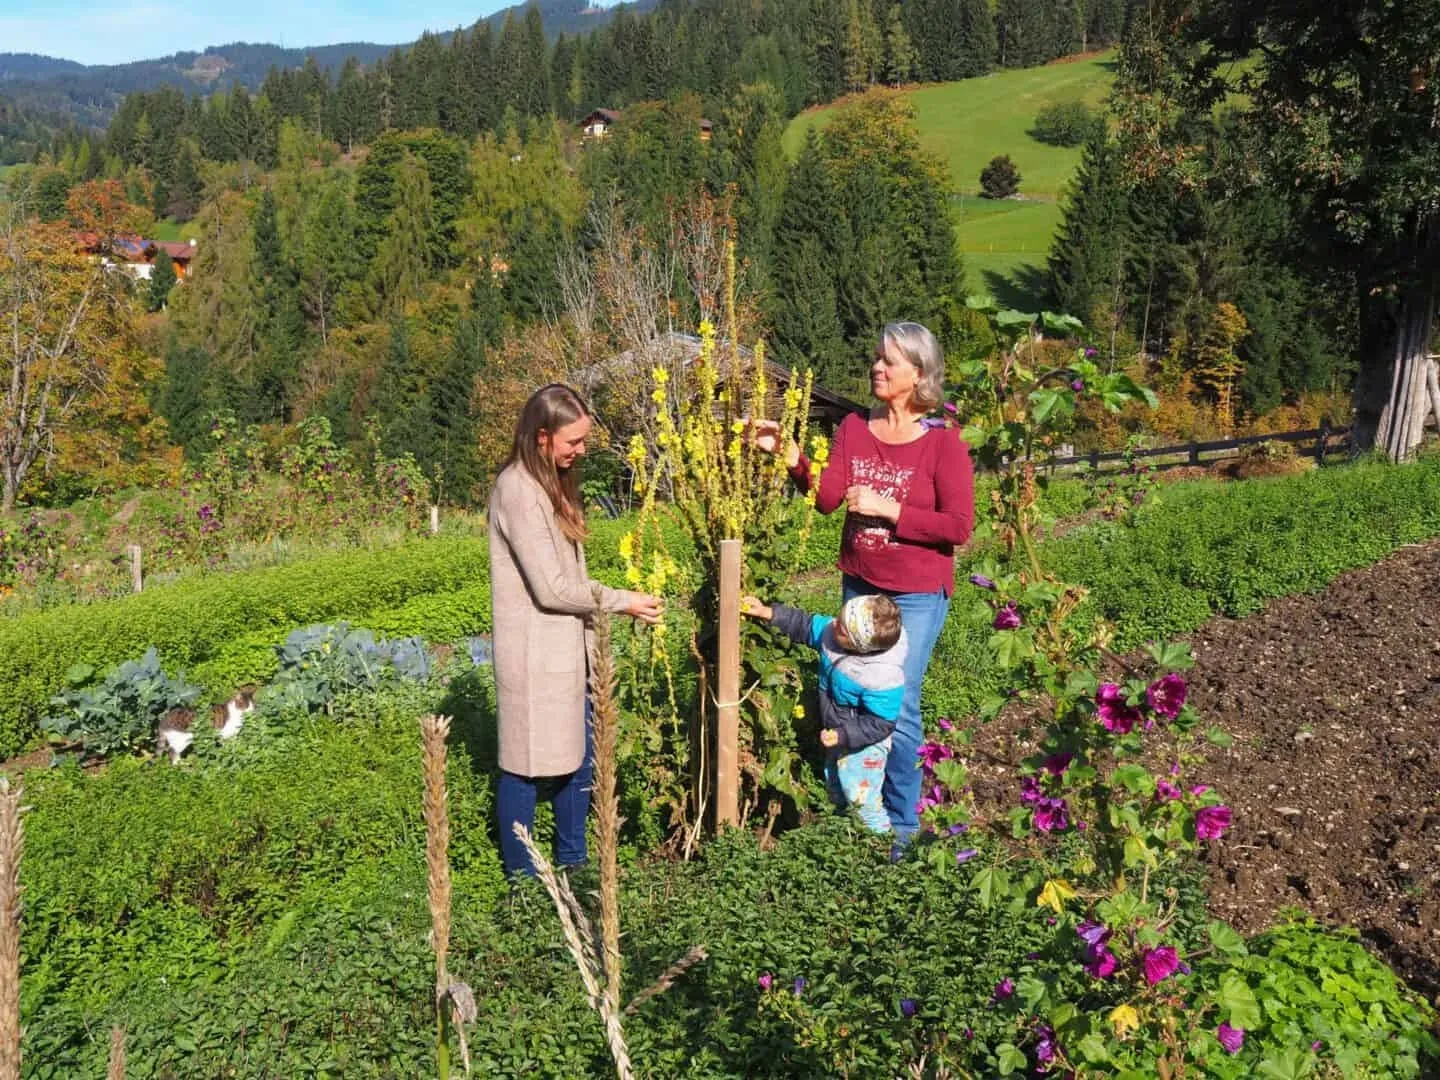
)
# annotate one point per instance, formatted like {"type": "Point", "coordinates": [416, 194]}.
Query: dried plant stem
{"type": "Point", "coordinates": [12, 846]}
{"type": "Point", "coordinates": [568, 908]}
{"type": "Point", "coordinates": [117, 1054]}
{"type": "Point", "coordinates": [605, 722]}
{"type": "Point", "coordinates": [667, 978]}
{"type": "Point", "coordinates": [433, 732]}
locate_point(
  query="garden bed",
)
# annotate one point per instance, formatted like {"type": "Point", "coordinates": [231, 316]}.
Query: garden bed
{"type": "Point", "coordinates": [1330, 701]}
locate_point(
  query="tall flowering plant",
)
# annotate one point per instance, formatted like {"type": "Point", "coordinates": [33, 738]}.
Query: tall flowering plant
{"type": "Point", "coordinates": [1101, 718]}
{"type": "Point", "coordinates": [722, 486]}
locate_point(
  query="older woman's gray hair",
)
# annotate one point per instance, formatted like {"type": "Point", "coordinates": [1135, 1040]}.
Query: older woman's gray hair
{"type": "Point", "coordinates": [919, 346]}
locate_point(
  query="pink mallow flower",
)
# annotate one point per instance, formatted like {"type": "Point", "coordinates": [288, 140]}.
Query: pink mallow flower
{"type": "Point", "coordinates": [1051, 815]}
{"type": "Point", "coordinates": [932, 753]}
{"type": "Point", "coordinates": [766, 981]}
{"type": "Point", "coordinates": [1232, 1039]}
{"type": "Point", "coordinates": [1056, 764]}
{"type": "Point", "coordinates": [1166, 791]}
{"type": "Point", "coordinates": [1166, 695]}
{"type": "Point", "coordinates": [1115, 715]}
{"type": "Point", "coordinates": [1211, 822]}
{"type": "Point", "coordinates": [1160, 963]}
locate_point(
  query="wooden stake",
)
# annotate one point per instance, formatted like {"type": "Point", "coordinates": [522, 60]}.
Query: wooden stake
{"type": "Point", "coordinates": [434, 521]}
{"type": "Point", "coordinates": [137, 579]}
{"type": "Point", "coordinates": [727, 690]}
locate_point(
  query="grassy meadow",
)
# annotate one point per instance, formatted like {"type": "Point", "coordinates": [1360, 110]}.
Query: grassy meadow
{"type": "Point", "coordinates": [967, 123]}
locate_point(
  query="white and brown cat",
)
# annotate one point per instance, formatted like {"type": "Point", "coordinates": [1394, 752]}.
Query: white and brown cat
{"type": "Point", "coordinates": [176, 731]}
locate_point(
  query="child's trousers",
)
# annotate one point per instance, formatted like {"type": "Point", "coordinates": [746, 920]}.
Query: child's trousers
{"type": "Point", "coordinates": [855, 778]}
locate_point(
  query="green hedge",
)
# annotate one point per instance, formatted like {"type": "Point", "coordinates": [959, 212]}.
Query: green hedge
{"type": "Point", "coordinates": [192, 622]}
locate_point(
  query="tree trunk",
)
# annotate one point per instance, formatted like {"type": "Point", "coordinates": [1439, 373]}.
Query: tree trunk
{"type": "Point", "coordinates": [1396, 324]}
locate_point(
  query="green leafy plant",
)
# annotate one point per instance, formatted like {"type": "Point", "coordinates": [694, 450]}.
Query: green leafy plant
{"type": "Point", "coordinates": [120, 713]}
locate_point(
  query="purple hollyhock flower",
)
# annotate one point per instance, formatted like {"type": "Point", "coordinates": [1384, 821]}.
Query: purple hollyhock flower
{"type": "Point", "coordinates": [1077, 385]}
{"type": "Point", "coordinates": [1056, 764]}
{"type": "Point", "coordinates": [966, 855]}
{"type": "Point", "coordinates": [1051, 815]}
{"type": "Point", "coordinates": [1045, 1045]}
{"type": "Point", "coordinates": [1115, 715]}
{"type": "Point", "coordinates": [1166, 695]}
{"type": "Point", "coordinates": [1008, 618]}
{"type": "Point", "coordinates": [1160, 963]}
{"type": "Point", "coordinates": [1211, 822]}
{"type": "Point", "coordinates": [1093, 934]}
{"type": "Point", "coordinates": [1199, 789]}
{"type": "Point", "coordinates": [934, 797]}
{"type": "Point", "coordinates": [981, 581]}
{"type": "Point", "coordinates": [1166, 791]}
{"type": "Point", "coordinates": [1030, 790]}
{"type": "Point", "coordinates": [1101, 963]}
{"type": "Point", "coordinates": [945, 725]}
{"type": "Point", "coordinates": [1003, 989]}
{"type": "Point", "coordinates": [1315, 1046]}
{"type": "Point", "coordinates": [932, 753]}
{"type": "Point", "coordinates": [1230, 1038]}
{"type": "Point", "coordinates": [799, 985]}
{"type": "Point", "coordinates": [958, 828]}
{"type": "Point", "coordinates": [908, 1008]}
{"type": "Point", "coordinates": [1089, 351]}
{"type": "Point", "coordinates": [766, 981]}
{"type": "Point", "coordinates": [950, 408]}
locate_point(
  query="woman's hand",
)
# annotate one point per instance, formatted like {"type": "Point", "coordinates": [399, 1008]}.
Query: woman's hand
{"type": "Point", "coordinates": [766, 436]}
{"type": "Point", "coordinates": [751, 605]}
{"type": "Point", "coordinates": [646, 608]}
{"type": "Point", "coordinates": [867, 502]}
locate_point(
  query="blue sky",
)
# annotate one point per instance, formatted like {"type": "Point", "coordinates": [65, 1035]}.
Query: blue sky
{"type": "Point", "coordinates": [117, 31]}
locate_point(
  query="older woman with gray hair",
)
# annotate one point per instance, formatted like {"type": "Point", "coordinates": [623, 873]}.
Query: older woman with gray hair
{"type": "Point", "coordinates": [907, 487]}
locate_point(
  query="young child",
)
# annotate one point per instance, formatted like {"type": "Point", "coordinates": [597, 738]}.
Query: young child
{"type": "Point", "coordinates": [862, 682]}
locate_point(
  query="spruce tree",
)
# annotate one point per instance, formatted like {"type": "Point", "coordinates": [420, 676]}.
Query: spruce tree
{"type": "Point", "coordinates": [162, 280]}
{"type": "Point", "coordinates": [1087, 257]}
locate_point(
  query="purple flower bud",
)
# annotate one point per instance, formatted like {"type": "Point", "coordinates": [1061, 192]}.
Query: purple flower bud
{"type": "Point", "coordinates": [908, 1008]}
{"type": "Point", "coordinates": [966, 855]}
{"type": "Point", "coordinates": [981, 581]}
{"type": "Point", "coordinates": [799, 985]}
{"type": "Point", "coordinates": [1077, 385]}
{"type": "Point", "coordinates": [766, 981]}
{"type": "Point", "coordinates": [1003, 989]}
{"type": "Point", "coordinates": [958, 828]}
{"type": "Point", "coordinates": [950, 408]}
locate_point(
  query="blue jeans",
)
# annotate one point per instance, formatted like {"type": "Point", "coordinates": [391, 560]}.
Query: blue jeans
{"type": "Point", "coordinates": [517, 796]}
{"type": "Point", "coordinates": [923, 616]}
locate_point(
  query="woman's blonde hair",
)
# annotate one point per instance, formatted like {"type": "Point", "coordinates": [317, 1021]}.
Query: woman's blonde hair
{"type": "Point", "coordinates": [548, 410]}
{"type": "Point", "coordinates": [919, 346]}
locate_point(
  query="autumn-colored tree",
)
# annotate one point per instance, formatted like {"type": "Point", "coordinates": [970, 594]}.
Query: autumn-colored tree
{"type": "Point", "coordinates": [68, 340]}
{"type": "Point", "coordinates": [101, 208]}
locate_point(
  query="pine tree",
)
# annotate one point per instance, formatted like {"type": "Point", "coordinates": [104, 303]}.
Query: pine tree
{"type": "Point", "coordinates": [1088, 256]}
{"type": "Point", "coordinates": [280, 324]}
{"type": "Point", "coordinates": [162, 280]}
{"type": "Point", "coordinates": [899, 50]}
{"type": "Point", "coordinates": [402, 265]}
{"type": "Point", "coordinates": [186, 399]}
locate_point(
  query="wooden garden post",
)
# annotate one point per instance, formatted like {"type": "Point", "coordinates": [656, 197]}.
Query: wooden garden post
{"type": "Point", "coordinates": [727, 691]}
{"type": "Point", "coordinates": [137, 578]}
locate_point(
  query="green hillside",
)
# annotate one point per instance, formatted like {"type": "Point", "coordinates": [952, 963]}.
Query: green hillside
{"type": "Point", "coordinates": [967, 123]}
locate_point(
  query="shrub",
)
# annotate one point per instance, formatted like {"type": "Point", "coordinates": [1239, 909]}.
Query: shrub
{"type": "Point", "coordinates": [999, 179]}
{"type": "Point", "coordinates": [119, 714]}
{"type": "Point", "coordinates": [1067, 123]}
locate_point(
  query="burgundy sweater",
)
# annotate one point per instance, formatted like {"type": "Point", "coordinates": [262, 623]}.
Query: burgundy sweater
{"type": "Point", "coordinates": [934, 483]}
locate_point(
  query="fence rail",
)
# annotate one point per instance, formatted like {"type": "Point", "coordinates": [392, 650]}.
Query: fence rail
{"type": "Point", "coordinates": [1322, 437]}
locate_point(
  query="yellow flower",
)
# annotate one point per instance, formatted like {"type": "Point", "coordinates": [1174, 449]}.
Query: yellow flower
{"type": "Point", "coordinates": [738, 427]}
{"type": "Point", "coordinates": [658, 395]}
{"type": "Point", "coordinates": [792, 398]}
{"type": "Point", "coordinates": [798, 712]}
{"type": "Point", "coordinates": [1054, 895]}
{"type": "Point", "coordinates": [1124, 1019]}
{"type": "Point", "coordinates": [636, 454]}
{"type": "Point", "coordinates": [661, 376]}
{"type": "Point", "coordinates": [707, 328]}
{"type": "Point", "coordinates": [633, 576]}
{"type": "Point", "coordinates": [627, 546]}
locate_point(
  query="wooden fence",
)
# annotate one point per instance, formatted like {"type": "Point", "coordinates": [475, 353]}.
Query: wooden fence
{"type": "Point", "coordinates": [1323, 439]}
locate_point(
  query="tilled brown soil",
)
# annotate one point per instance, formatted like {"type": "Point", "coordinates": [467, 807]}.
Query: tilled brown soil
{"type": "Point", "coordinates": [1332, 701]}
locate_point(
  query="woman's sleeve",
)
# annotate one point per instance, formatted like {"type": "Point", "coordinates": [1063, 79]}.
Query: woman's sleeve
{"type": "Point", "coordinates": [527, 528]}
{"type": "Point", "coordinates": [954, 515]}
{"type": "Point", "coordinates": [832, 477]}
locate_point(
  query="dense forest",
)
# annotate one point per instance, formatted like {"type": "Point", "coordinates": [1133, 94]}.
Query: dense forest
{"type": "Point", "coordinates": [401, 247]}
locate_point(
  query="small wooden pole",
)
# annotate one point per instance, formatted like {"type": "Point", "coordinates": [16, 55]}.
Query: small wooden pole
{"type": "Point", "coordinates": [1322, 442]}
{"type": "Point", "coordinates": [727, 691]}
{"type": "Point", "coordinates": [434, 521]}
{"type": "Point", "coordinates": [137, 579]}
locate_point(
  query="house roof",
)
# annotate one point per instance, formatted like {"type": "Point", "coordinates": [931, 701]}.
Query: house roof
{"type": "Point", "coordinates": [608, 115]}
{"type": "Point", "coordinates": [138, 249]}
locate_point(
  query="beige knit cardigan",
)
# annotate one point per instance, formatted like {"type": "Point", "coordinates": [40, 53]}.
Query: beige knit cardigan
{"type": "Point", "coordinates": [542, 601]}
